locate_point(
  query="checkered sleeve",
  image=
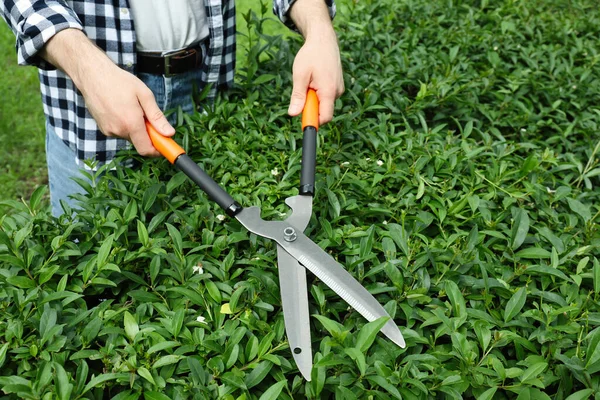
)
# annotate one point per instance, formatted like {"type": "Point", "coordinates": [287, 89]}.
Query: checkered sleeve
{"type": "Point", "coordinates": [281, 8]}
{"type": "Point", "coordinates": [34, 22]}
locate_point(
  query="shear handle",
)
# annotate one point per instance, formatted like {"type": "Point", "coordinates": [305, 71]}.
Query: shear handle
{"type": "Point", "coordinates": [310, 126]}
{"type": "Point", "coordinates": [176, 155]}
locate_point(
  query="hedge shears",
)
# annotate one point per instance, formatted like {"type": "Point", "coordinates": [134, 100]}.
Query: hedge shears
{"type": "Point", "coordinates": [295, 251]}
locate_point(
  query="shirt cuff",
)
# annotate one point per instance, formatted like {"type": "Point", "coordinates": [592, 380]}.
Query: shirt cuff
{"type": "Point", "coordinates": [35, 24]}
{"type": "Point", "coordinates": [281, 8]}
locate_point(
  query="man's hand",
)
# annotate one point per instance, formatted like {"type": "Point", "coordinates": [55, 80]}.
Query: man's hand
{"type": "Point", "coordinates": [317, 65]}
{"type": "Point", "coordinates": [117, 100]}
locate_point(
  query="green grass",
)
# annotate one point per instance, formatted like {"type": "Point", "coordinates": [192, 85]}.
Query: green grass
{"type": "Point", "coordinates": [22, 156]}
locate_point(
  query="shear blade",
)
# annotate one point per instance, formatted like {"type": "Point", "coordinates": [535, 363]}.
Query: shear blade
{"type": "Point", "coordinates": [294, 298]}
{"type": "Point", "coordinates": [325, 267]}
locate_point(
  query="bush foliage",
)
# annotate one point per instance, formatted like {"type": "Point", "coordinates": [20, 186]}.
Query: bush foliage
{"type": "Point", "coordinates": [458, 183]}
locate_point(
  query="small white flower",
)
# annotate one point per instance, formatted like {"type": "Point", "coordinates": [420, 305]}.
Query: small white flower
{"type": "Point", "coordinates": [368, 159]}
{"type": "Point", "coordinates": [574, 86]}
{"type": "Point", "coordinates": [384, 222]}
{"type": "Point", "coordinates": [274, 172]}
{"type": "Point", "coordinates": [201, 319]}
{"type": "Point", "coordinates": [495, 48]}
{"type": "Point", "coordinates": [345, 163]}
{"type": "Point", "coordinates": [255, 259]}
{"type": "Point", "coordinates": [198, 269]}
{"type": "Point", "coordinates": [379, 162]}
{"type": "Point", "coordinates": [523, 130]}
{"type": "Point", "coordinates": [550, 191]}
{"type": "Point", "coordinates": [220, 217]}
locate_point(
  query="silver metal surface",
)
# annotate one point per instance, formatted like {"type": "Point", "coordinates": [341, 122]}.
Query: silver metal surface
{"type": "Point", "coordinates": [289, 234]}
{"type": "Point", "coordinates": [317, 261]}
{"type": "Point", "coordinates": [294, 291]}
{"type": "Point", "coordinates": [294, 299]}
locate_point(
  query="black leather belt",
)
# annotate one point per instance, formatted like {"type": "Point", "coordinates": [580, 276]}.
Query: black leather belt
{"type": "Point", "coordinates": [173, 63]}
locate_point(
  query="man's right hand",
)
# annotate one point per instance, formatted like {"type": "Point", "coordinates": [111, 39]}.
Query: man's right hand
{"type": "Point", "coordinates": [117, 100]}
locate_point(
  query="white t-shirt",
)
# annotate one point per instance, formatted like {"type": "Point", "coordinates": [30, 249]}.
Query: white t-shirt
{"type": "Point", "coordinates": [164, 26]}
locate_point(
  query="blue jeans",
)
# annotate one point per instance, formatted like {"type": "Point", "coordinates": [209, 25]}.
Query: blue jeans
{"type": "Point", "coordinates": [170, 92]}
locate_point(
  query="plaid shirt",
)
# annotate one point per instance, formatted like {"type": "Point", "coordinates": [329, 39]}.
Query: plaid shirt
{"type": "Point", "coordinates": [109, 24]}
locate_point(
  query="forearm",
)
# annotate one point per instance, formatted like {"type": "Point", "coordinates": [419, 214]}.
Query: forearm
{"type": "Point", "coordinates": [118, 101]}
{"type": "Point", "coordinates": [35, 23]}
{"type": "Point", "coordinates": [312, 18]}
{"type": "Point", "coordinates": [72, 52]}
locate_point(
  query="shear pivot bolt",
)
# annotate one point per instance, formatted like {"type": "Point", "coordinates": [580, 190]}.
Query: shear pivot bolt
{"type": "Point", "coordinates": [289, 234]}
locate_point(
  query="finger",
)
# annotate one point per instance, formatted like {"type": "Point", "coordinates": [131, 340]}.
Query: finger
{"type": "Point", "coordinates": [299, 89]}
{"type": "Point", "coordinates": [326, 106]}
{"type": "Point", "coordinates": [141, 141]}
{"type": "Point", "coordinates": [153, 113]}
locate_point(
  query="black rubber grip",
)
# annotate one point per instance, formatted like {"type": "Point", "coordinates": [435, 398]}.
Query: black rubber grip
{"type": "Point", "coordinates": [309, 159]}
{"type": "Point", "coordinates": [208, 185]}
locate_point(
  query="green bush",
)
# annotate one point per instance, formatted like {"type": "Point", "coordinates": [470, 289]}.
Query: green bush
{"type": "Point", "coordinates": [458, 183]}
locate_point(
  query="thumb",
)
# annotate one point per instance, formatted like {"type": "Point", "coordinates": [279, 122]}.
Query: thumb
{"type": "Point", "coordinates": [298, 97]}
{"type": "Point", "coordinates": [154, 115]}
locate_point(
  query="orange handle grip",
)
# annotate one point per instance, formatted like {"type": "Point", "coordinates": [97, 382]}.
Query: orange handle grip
{"type": "Point", "coordinates": [165, 145]}
{"type": "Point", "coordinates": [310, 114]}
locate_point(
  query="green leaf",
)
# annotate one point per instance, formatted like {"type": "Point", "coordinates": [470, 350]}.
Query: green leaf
{"type": "Point", "coordinates": [596, 275]}
{"type": "Point", "coordinates": [63, 387]}
{"type": "Point", "coordinates": [358, 356]}
{"type": "Point", "coordinates": [144, 373]}
{"type": "Point", "coordinates": [274, 391]}
{"type": "Point", "coordinates": [177, 322]}
{"type": "Point", "coordinates": [166, 360]}
{"type": "Point", "coordinates": [580, 208]}
{"type": "Point", "coordinates": [533, 371]}
{"type": "Point", "coordinates": [368, 333]}
{"type": "Point", "coordinates": [104, 251]}
{"type": "Point", "coordinates": [520, 228]}
{"type": "Point", "coordinates": [334, 202]}
{"type": "Point", "coordinates": [37, 196]}
{"type": "Point", "coordinates": [197, 372]}
{"type": "Point", "coordinates": [366, 244]}
{"type": "Point", "coordinates": [155, 396]}
{"type": "Point", "coordinates": [47, 273]}
{"type": "Point", "coordinates": [515, 304]}
{"type": "Point", "coordinates": [265, 343]}
{"type": "Point", "coordinates": [400, 236]}
{"type": "Point", "coordinates": [581, 394]}
{"type": "Point", "coordinates": [384, 383]}
{"type": "Point", "coordinates": [333, 327]}
{"type": "Point", "coordinates": [488, 394]}
{"type": "Point", "coordinates": [176, 238]}
{"type": "Point", "coordinates": [456, 298]}
{"type": "Point", "coordinates": [21, 282]}
{"type": "Point", "coordinates": [213, 291]}
{"type": "Point", "coordinates": [257, 375]}
{"type": "Point", "coordinates": [131, 326]}
{"type": "Point", "coordinates": [592, 353]}
{"type": "Point", "coordinates": [162, 346]}
{"type": "Point", "coordinates": [142, 233]}
{"type": "Point", "coordinates": [264, 78]}
{"type": "Point", "coordinates": [3, 351]}
{"type": "Point", "coordinates": [533, 253]}
{"type": "Point", "coordinates": [100, 379]}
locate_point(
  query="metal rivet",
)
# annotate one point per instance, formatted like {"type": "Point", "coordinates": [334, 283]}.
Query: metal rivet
{"type": "Point", "coordinates": [297, 350]}
{"type": "Point", "coordinates": [289, 234]}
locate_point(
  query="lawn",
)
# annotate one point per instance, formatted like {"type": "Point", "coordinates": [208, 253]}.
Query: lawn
{"type": "Point", "coordinates": [22, 156]}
